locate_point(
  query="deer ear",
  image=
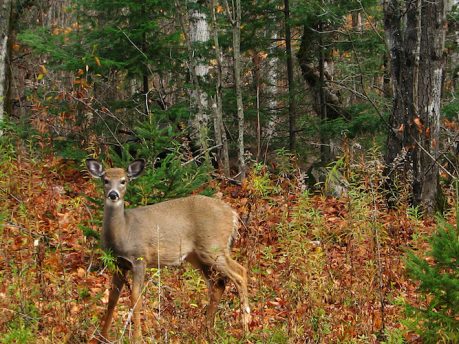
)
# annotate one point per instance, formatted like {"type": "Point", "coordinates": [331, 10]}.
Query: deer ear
{"type": "Point", "coordinates": [136, 168]}
{"type": "Point", "coordinates": [95, 168]}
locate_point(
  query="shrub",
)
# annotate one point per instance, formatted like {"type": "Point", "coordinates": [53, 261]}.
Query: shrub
{"type": "Point", "coordinates": [438, 274]}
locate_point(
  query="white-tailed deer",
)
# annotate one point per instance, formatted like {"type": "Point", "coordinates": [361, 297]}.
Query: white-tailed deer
{"type": "Point", "coordinates": [196, 229]}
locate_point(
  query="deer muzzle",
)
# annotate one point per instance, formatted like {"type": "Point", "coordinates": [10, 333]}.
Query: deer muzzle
{"type": "Point", "coordinates": [113, 195]}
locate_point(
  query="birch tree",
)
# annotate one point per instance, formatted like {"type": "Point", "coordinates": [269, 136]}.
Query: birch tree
{"type": "Point", "coordinates": [5, 25]}
{"type": "Point", "coordinates": [272, 79]}
{"type": "Point", "coordinates": [196, 31]}
{"type": "Point", "coordinates": [290, 77]}
{"type": "Point", "coordinates": [199, 35]}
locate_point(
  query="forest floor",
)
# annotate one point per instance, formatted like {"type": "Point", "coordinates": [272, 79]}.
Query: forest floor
{"type": "Point", "coordinates": [321, 269]}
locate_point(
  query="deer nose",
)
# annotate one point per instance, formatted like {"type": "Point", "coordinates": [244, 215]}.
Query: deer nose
{"type": "Point", "coordinates": [113, 195]}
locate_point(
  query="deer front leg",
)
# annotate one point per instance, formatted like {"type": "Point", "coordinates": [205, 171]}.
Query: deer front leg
{"type": "Point", "coordinates": [118, 281]}
{"type": "Point", "coordinates": [216, 285]}
{"type": "Point", "coordinates": [216, 288]}
{"type": "Point", "coordinates": [138, 276]}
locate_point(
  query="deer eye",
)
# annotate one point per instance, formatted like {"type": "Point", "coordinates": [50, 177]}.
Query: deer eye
{"type": "Point", "coordinates": [105, 181]}
{"type": "Point", "coordinates": [123, 182]}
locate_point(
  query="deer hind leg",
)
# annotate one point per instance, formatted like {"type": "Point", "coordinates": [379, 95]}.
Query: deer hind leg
{"type": "Point", "coordinates": [119, 278]}
{"type": "Point", "coordinates": [238, 274]}
{"type": "Point", "coordinates": [216, 286]}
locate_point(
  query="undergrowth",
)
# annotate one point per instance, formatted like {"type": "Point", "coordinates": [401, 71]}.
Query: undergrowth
{"type": "Point", "coordinates": [321, 269]}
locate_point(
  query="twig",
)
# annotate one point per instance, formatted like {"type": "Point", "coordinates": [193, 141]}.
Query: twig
{"type": "Point", "coordinates": [29, 232]}
{"type": "Point", "coordinates": [201, 154]}
{"type": "Point", "coordinates": [11, 195]}
{"type": "Point", "coordinates": [369, 20]}
{"type": "Point", "coordinates": [131, 311]}
{"type": "Point", "coordinates": [229, 179]}
{"type": "Point", "coordinates": [20, 313]}
{"type": "Point", "coordinates": [100, 116]}
{"type": "Point", "coordinates": [378, 256]}
{"type": "Point", "coordinates": [159, 274]}
{"type": "Point", "coordinates": [130, 41]}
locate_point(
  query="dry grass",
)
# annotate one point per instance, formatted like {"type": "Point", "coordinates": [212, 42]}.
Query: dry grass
{"type": "Point", "coordinates": [313, 261]}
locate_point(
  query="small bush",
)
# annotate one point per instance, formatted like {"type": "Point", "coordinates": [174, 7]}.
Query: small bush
{"type": "Point", "coordinates": [438, 274]}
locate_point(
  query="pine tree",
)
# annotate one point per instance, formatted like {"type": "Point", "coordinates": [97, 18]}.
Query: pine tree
{"type": "Point", "coordinates": [438, 320]}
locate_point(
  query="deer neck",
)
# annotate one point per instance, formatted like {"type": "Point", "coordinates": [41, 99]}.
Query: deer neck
{"type": "Point", "coordinates": [114, 233]}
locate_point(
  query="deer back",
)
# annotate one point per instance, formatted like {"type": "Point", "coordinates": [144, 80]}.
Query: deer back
{"type": "Point", "coordinates": [167, 233]}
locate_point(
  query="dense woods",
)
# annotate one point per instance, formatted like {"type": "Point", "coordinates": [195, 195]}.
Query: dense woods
{"type": "Point", "coordinates": [331, 127]}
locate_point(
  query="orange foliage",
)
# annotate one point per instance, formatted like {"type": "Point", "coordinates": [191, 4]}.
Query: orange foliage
{"type": "Point", "coordinates": [312, 287]}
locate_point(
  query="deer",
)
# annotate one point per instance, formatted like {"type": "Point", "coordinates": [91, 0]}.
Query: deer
{"type": "Point", "coordinates": [195, 229]}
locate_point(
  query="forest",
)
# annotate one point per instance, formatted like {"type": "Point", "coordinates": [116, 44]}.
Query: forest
{"type": "Point", "coordinates": [302, 155]}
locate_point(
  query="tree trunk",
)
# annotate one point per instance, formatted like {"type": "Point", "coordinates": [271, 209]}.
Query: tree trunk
{"type": "Point", "coordinates": [196, 33]}
{"type": "Point", "coordinates": [271, 72]}
{"type": "Point", "coordinates": [386, 84]}
{"type": "Point", "coordinates": [290, 78]}
{"type": "Point", "coordinates": [453, 63]}
{"type": "Point", "coordinates": [357, 27]}
{"type": "Point", "coordinates": [234, 15]}
{"type": "Point", "coordinates": [220, 131]}
{"type": "Point", "coordinates": [311, 74]}
{"type": "Point", "coordinates": [429, 97]}
{"type": "Point", "coordinates": [404, 49]}
{"type": "Point", "coordinates": [325, 151]}
{"type": "Point", "coordinates": [199, 34]}
{"type": "Point", "coordinates": [415, 38]}
{"type": "Point", "coordinates": [238, 87]}
{"type": "Point", "coordinates": [5, 30]}
{"type": "Point", "coordinates": [145, 78]}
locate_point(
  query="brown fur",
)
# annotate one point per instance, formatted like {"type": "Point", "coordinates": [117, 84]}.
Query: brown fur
{"type": "Point", "coordinates": [196, 229]}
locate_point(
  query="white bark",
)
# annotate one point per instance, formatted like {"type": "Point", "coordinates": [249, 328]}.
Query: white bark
{"type": "Point", "coordinates": [199, 34]}
{"type": "Point", "coordinates": [238, 86]}
{"type": "Point", "coordinates": [272, 77]}
{"type": "Point", "coordinates": [3, 53]}
{"type": "Point", "coordinates": [5, 14]}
